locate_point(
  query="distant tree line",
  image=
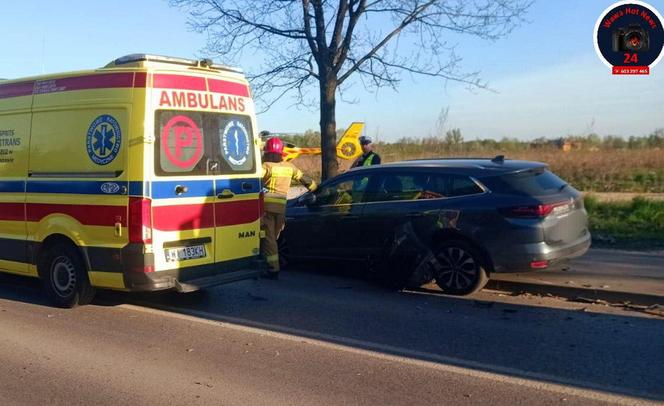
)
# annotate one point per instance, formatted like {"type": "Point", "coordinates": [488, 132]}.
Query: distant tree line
{"type": "Point", "coordinates": [453, 141]}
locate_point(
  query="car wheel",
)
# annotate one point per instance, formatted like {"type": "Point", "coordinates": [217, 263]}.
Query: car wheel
{"type": "Point", "coordinates": [459, 268]}
{"type": "Point", "coordinates": [64, 276]}
{"type": "Point", "coordinates": [284, 252]}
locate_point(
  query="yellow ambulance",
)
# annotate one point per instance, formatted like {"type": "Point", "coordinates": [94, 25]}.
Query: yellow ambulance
{"type": "Point", "coordinates": [142, 175]}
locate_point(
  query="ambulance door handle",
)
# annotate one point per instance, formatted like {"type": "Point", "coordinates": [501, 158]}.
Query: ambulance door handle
{"type": "Point", "coordinates": [225, 194]}
{"type": "Point", "coordinates": [180, 190]}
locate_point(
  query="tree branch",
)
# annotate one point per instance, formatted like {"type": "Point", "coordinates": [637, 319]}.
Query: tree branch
{"type": "Point", "coordinates": [404, 23]}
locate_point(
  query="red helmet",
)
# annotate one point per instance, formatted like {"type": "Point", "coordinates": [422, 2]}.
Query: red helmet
{"type": "Point", "coordinates": [274, 145]}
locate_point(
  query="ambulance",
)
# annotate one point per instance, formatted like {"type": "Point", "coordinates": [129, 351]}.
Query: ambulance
{"type": "Point", "coordinates": [142, 175]}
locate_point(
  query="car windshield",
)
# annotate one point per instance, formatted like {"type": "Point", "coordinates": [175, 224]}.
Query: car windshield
{"type": "Point", "coordinates": [200, 143]}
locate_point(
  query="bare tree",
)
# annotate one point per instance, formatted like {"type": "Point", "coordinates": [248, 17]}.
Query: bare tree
{"type": "Point", "coordinates": [328, 42]}
{"type": "Point", "coordinates": [441, 121]}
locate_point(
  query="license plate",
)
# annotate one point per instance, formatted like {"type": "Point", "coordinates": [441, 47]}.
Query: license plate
{"type": "Point", "coordinates": [184, 253]}
{"type": "Point", "coordinates": [562, 209]}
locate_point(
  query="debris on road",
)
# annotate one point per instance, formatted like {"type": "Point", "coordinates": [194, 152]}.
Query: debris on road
{"type": "Point", "coordinates": [657, 310]}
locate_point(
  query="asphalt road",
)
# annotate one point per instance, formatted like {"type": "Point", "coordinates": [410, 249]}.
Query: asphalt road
{"type": "Point", "coordinates": [323, 339]}
{"type": "Point", "coordinates": [603, 269]}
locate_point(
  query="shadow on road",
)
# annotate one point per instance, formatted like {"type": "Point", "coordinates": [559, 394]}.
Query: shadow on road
{"type": "Point", "coordinates": [617, 354]}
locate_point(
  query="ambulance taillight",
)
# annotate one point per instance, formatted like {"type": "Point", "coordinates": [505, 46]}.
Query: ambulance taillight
{"type": "Point", "coordinates": [140, 220]}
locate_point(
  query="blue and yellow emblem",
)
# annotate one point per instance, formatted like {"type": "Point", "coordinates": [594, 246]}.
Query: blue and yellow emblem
{"type": "Point", "coordinates": [104, 139]}
{"type": "Point", "coordinates": [235, 142]}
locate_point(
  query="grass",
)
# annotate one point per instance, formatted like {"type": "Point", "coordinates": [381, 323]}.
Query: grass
{"type": "Point", "coordinates": [636, 224]}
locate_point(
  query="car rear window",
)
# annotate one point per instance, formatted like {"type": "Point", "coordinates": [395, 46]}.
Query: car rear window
{"type": "Point", "coordinates": [536, 182]}
{"type": "Point", "coordinates": [200, 143]}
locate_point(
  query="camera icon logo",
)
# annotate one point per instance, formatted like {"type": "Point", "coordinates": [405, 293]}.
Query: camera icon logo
{"type": "Point", "coordinates": [632, 38]}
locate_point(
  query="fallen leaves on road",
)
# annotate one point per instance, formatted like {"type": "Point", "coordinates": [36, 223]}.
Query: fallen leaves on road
{"type": "Point", "coordinates": [655, 310]}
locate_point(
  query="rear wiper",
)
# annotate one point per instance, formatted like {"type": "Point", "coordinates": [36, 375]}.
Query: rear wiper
{"type": "Point", "coordinates": [563, 187]}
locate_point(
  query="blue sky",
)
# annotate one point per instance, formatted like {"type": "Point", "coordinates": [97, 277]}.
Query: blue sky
{"type": "Point", "coordinates": [547, 78]}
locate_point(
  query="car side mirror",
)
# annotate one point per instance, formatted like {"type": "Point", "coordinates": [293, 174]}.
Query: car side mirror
{"type": "Point", "coordinates": [307, 199]}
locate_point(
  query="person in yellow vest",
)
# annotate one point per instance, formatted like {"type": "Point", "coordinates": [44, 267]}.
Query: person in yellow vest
{"type": "Point", "coordinates": [368, 157]}
{"type": "Point", "coordinates": [277, 177]}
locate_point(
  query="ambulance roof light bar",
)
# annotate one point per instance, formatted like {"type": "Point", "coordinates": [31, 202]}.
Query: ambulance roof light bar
{"type": "Point", "coordinates": [203, 63]}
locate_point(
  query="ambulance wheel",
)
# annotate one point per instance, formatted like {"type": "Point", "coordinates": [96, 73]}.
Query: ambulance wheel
{"type": "Point", "coordinates": [64, 276]}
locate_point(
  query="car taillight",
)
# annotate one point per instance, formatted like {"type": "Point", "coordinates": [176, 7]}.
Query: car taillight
{"type": "Point", "coordinates": [534, 211]}
{"type": "Point", "coordinates": [140, 220]}
{"type": "Point", "coordinates": [539, 264]}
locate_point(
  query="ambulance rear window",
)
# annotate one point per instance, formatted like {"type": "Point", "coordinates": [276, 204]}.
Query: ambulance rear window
{"type": "Point", "coordinates": [199, 143]}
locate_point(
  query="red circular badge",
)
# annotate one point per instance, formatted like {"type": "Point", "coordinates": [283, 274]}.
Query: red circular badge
{"type": "Point", "coordinates": [186, 135]}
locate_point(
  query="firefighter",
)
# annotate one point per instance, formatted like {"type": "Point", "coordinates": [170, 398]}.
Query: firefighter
{"type": "Point", "coordinates": [368, 157]}
{"type": "Point", "coordinates": [277, 176]}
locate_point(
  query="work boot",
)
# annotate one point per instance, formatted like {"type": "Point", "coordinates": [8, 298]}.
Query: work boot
{"type": "Point", "coordinates": [270, 275]}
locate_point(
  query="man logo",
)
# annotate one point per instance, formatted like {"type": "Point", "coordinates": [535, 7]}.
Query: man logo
{"type": "Point", "coordinates": [246, 234]}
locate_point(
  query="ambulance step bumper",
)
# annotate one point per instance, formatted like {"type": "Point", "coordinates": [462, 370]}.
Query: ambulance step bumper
{"type": "Point", "coordinates": [194, 278]}
{"type": "Point", "coordinates": [208, 281]}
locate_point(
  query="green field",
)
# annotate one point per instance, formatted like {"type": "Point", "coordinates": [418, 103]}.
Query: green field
{"type": "Point", "coordinates": [636, 224]}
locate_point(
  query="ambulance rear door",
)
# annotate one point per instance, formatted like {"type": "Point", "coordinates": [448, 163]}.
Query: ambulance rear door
{"type": "Point", "coordinates": [183, 194]}
{"type": "Point", "coordinates": [237, 209]}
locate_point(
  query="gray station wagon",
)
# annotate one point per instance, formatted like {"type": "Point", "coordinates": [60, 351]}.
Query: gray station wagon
{"type": "Point", "coordinates": [454, 221]}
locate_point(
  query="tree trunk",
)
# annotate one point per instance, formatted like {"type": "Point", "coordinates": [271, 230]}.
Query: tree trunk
{"type": "Point", "coordinates": [328, 127]}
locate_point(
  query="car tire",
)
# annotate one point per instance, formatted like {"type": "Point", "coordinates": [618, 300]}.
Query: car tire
{"type": "Point", "coordinates": [64, 276]}
{"type": "Point", "coordinates": [460, 269]}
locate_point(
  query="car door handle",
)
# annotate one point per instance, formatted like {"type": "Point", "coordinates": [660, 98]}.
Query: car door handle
{"type": "Point", "coordinates": [348, 218]}
{"type": "Point", "coordinates": [413, 215]}
{"type": "Point", "coordinates": [225, 194]}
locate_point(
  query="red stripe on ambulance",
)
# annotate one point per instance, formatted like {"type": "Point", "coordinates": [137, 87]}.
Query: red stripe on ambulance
{"type": "Point", "coordinates": [238, 212]}
{"type": "Point", "coordinates": [12, 211]}
{"type": "Point", "coordinates": [197, 216]}
{"type": "Point", "coordinates": [101, 81]}
{"type": "Point", "coordinates": [89, 215]}
{"type": "Point", "coordinates": [88, 82]}
{"type": "Point", "coordinates": [179, 82]}
{"type": "Point", "coordinates": [16, 89]}
{"type": "Point", "coordinates": [140, 79]}
{"type": "Point", "coordinates": [224, 86]}
{"type": "Point", "coordinates": [183, 217]}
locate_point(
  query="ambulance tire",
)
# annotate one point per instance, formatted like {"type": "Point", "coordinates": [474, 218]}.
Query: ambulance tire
{"type": "Point", "coordinates": [65, 277]}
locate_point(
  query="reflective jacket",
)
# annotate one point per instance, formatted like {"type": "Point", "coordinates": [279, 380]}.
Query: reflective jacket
{"type": "Point", "coordinates": [277, 177]}
{"type": "Point", "coordinates": [369, 159]}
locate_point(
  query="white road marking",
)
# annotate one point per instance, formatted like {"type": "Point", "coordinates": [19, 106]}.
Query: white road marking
{"type": "Point", "coordinates": [497, 373]}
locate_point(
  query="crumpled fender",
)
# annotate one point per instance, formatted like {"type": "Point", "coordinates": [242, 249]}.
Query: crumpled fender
{"type": "Point", "coordinates": [411, 247]}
